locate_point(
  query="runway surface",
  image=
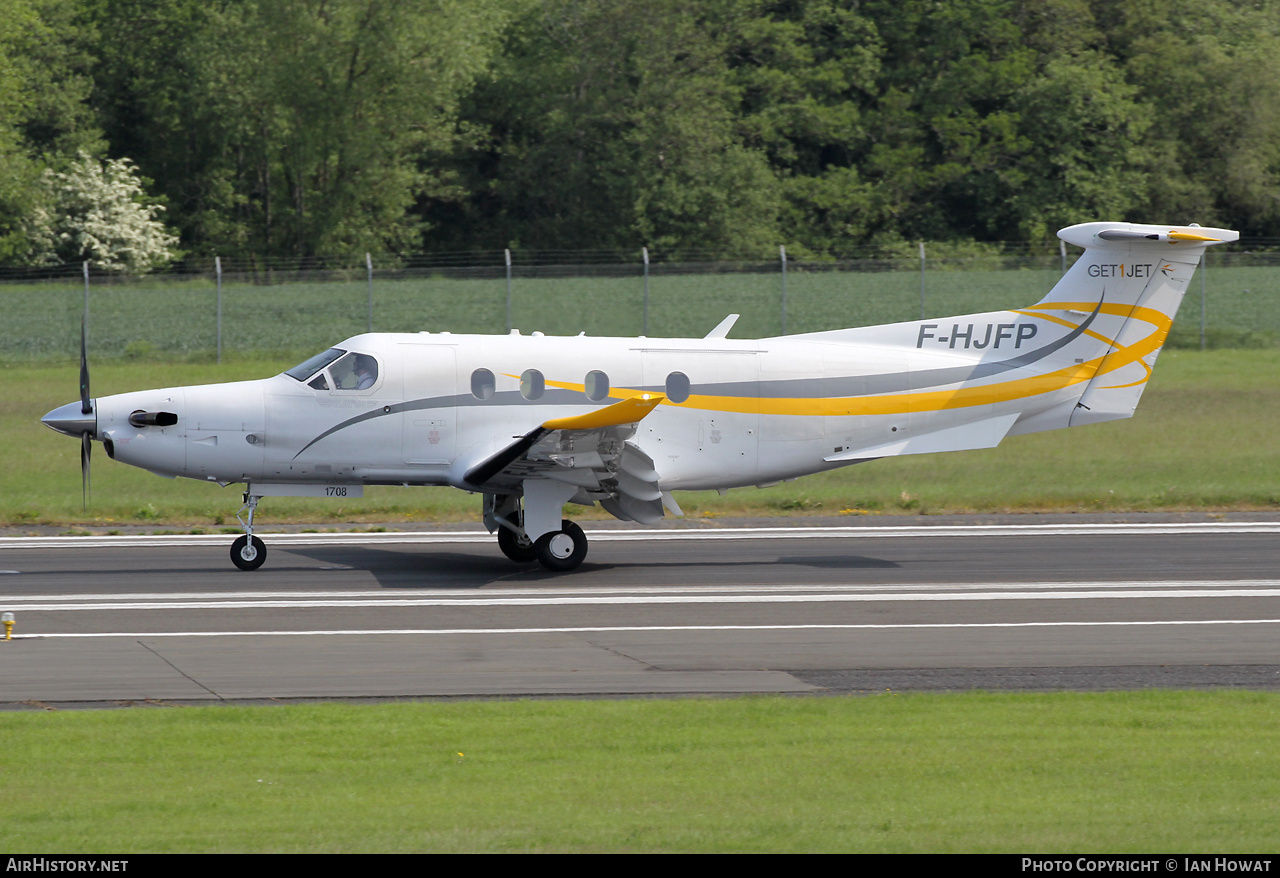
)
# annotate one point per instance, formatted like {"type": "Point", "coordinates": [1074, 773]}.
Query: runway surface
{"type": "Point", "coordinates": [673, 611]}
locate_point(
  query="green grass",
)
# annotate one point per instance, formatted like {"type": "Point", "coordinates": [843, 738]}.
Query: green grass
{"type": "Point", "coordinates": [176, 318]}
{"type": "Point", "coordinates": [1081, 773]}
{"type": "Point", "coordinates": [1204, 438]}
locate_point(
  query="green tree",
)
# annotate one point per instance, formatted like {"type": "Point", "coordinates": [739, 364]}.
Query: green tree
{"type": "Point", "coordinates": [1209, 75]}
{"type": "Point", "coordinates": [806, 72]}
{"type": "Point", "coordinates": [975, 119]}
{"type": "Point", "coordinates": [294, 126]}
{"type": "Point", "coordinates": [610, 124]}
{"type": "Point", "coordinates": [44, 113]}
{"type": "Point", "coordinates": [17, 172]}
{"type": "Point", "coordinates": [98, 211]}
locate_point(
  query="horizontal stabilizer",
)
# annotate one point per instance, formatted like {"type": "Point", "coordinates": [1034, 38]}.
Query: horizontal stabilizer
{"type": "Point", "coordinates": [1124, 235]}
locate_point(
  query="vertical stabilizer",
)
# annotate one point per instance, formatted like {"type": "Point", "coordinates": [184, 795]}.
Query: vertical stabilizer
{"type": "Point", "coordinates": [1133, 276]}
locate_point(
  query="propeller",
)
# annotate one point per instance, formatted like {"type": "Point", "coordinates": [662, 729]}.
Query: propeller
{"type": "Point", "coordinates": [79, 418]}
{"type": "Point", "coordinates": [86, 408]}
{"type": "Point", "coordinates": [86, 452]}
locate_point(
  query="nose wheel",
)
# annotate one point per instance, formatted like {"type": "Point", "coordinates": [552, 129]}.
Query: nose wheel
{"type": "Point", "coordinates": [248, 553]}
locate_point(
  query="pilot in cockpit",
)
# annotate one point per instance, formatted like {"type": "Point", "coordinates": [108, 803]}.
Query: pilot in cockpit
{"type": "Point", "coordinates": [366, 371]}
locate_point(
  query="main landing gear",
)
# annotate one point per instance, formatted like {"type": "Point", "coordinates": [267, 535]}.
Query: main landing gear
{"type": "Point", "coordinates": [248, 552]}
{"type": "Point", "coordinates": [563, 550]}
{"type": "Point", "coordinates": [559, 550]}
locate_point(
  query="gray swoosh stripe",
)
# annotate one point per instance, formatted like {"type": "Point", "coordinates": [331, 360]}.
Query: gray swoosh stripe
{"type": "Point", "coordinates": [795, 388]}
{"type": "Point", "coordinates": [461, 400]}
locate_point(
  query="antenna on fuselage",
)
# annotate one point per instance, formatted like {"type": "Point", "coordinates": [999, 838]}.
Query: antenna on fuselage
{"type": "Point", "coordinates": [723, 327]}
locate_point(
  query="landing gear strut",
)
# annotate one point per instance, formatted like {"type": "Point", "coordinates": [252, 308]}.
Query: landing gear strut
{"type": "Point", "coordinates": [513, 543]}
{"type": "Point", "coordinates": [248, 552]}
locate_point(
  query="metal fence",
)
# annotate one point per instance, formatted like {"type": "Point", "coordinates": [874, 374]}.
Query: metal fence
{"type": "Point", "coordinates": [220, 307]}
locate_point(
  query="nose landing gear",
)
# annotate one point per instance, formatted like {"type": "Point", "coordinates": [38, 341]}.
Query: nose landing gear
{"type": "Point", "coordinates": [248, 552]}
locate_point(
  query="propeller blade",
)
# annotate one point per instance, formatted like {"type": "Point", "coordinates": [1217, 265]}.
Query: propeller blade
{"type": "Point", "coordinates": [86, 452]}
{"type": "Point", "coordinates": [85, 406]}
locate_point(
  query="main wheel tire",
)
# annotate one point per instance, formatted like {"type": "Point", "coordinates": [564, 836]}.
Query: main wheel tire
{"type": "Point", "coordinates": [563, 550]}
{"type": "Point", "coordinates": [248, 553]}
{"type": "Point", "coordinates": [515, 546]}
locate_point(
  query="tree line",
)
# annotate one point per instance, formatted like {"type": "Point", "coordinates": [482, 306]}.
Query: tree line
{"type": "Point", "coordinates": [320, 127]}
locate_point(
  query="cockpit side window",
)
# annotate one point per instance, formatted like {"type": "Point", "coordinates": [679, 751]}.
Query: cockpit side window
{"type": "Point", "coordinates": [303, 371]}
{"type": "Point", "coordinates": [354, 372]}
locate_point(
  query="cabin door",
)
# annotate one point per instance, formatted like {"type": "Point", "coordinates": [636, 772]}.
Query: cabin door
{"type": "Point", "coordinates": [429, 409]}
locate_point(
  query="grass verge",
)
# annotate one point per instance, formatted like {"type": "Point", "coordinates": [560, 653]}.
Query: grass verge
{"type": "Point", "coordinates": [1115, 772]}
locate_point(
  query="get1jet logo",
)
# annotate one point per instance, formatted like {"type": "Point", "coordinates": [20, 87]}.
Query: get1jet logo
{"type": "Point", "coordinates": [1138, 269]}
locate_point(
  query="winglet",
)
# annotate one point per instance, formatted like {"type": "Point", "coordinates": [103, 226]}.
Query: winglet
{"type": "Point", "coordinates": [629, 411]}
{"type": "Point", "coordinates": [723, 327]}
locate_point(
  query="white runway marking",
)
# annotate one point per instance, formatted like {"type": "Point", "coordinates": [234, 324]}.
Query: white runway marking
{"type": "Point", "coordinates": [656, 534]}
{"type": "Point", "coordinates": [798, 594]}
{"type": "Point", "coordinates": [654, 628]}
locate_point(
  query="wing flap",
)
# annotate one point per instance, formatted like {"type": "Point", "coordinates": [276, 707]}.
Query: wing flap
{"type": "Point", "coordinates": [588, 451]}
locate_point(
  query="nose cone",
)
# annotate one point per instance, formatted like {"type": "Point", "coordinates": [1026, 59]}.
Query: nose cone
{"type": "Point", "coordinates": [70, 420]}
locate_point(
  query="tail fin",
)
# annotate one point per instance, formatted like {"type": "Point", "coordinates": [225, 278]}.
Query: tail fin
{"type": "Point", "coordinates": [1128, 285]}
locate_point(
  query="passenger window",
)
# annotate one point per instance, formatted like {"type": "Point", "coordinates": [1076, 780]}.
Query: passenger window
{"type": "Point", "coordinates": [597, 386]}
{"type": "Point", "coordinates": [532, 384]}
{"type": "Point", "coordinates": [482, 384]}
{"type": "Point", "coordinates": [677, 387]}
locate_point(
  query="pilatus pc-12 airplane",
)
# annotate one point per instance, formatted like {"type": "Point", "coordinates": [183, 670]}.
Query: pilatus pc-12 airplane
{"type": "Point", "coordinates": [531, 422]}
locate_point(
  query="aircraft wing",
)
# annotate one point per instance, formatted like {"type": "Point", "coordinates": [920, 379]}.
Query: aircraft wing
{"type": "Point", "coordinates": [591, 452]}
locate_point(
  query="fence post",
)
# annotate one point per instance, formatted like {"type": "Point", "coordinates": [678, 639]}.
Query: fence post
{"type": "Point", "coordinates": [644, 253]}
{"type": "Point", "coordinates": [368, 264]}
{"type": "Point", "coordinates": [783, 251]}
{"type": "Point", "coordinates": [922, 280]}
{"type": "Point", "coordinates": [217, 268]}
{"type": "Point", "coordinates": [507, 254]}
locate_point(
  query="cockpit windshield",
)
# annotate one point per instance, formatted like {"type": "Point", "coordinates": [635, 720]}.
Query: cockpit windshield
{"type": "Point", "coordinates": [303, 371]}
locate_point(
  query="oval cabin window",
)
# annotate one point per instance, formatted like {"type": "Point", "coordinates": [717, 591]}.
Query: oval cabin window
{"type": "Point", "coordinates": [597, 386]}
{"type": "Point", "coordinates": [532, 384]}
{"type": "Point", "coordinates": [482, 384]}
{"type": "Point", "coordinates": [677, 387]}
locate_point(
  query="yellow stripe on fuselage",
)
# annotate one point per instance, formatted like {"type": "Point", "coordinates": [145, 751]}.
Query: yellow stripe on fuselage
{"type": "Point", "coordinates": [941, 400]}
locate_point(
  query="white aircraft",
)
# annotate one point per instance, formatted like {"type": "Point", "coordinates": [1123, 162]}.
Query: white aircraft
{"type": "Point", "coordinates": [534, 422]}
